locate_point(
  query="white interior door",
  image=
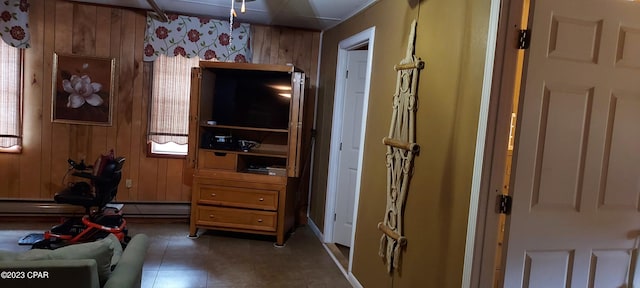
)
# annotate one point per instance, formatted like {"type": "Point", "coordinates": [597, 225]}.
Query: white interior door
{"type": "Point", "coordinates": [576, 187]}
{"type": "Point", "coordinates": [350, 146]}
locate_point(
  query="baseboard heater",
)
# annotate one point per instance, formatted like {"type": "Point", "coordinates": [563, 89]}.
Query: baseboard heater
{"type": "Point", "coordinates": [131, 209]}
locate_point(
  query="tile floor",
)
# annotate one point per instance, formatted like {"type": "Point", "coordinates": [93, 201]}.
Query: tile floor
{"type": "Point", "coordinates": [215, 259]}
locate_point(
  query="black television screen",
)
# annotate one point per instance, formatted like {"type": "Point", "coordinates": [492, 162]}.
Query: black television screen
{"type": "Point", "coordinates": [252, 98]}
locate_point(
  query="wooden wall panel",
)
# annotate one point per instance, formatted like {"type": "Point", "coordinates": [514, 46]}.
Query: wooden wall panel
{"type": "Point", "coordinates": [101, 31]}
{"type": "Point", "coordinates": [285, 46]}
{"type": "Point", "coordinates": [137, 113]}
{"type": "Point", "coordinates": [115, 40]}
{"type": "Point", "coordinates": [84, 30]}
{"type": "Point", "coordinates": [60, 142]}
{"type": "Point", "coordinates": [102, 49]}
{"type": "Point", "coordinates": [261, 48]}
{"type": "Point", "coordinates": [48, 44]}
{"type": "Point", "coordinates": [32, 111]}
{"type": "Point", "coordinates": [146, 180]}
{"type": "Point", "coordinates": [274, 46]}
{"type": "Point", "coordinates": [10, 176]}
{"type": "Point", "coordinates": [124, 108]}
{"type": "Point", "coordinates": [174, 186]}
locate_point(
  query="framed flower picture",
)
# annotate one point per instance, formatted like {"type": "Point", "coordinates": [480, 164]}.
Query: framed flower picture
{"type": "Point", "coordinates": [83, 89]}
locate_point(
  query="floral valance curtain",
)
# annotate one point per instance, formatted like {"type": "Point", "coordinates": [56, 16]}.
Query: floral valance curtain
{"type": "Point", "coordinates": [14, 23]}
{"type": "Point", "coordinates": [197, 36]}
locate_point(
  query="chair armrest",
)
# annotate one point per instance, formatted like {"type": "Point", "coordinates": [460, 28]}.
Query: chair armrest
{"type": "Point", "coordinates": [128, 271]}
{"type": "Point", "coordinates": [90, 176]}
{"type": "Point", "coordinates": [50, 273]}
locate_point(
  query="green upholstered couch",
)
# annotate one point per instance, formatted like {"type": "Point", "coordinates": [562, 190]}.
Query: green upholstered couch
{"type": "Point", "coordinates": [96, 264]}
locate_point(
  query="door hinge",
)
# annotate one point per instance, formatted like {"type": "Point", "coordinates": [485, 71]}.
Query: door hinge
{"type": "Point", "coordinates": [524, 39]}
{"type": "Point", "coordinates": [503, 204]}
{"type": "Point", "coordinates": [335, 217]}
{"type": "Point", "coordinates": [340, 147]}
{"type": "Point", "coordinates": [347, 75]}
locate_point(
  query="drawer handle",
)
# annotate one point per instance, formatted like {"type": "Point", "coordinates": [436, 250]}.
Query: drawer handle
{"type": "Point", "coordinates": [261, 199]}
{"type": "Point", "coordinates": [211, 216]}
{"type": "Point", "coordinates": [260, 220]}
{"type": "Point", "coordinates": [213, 194]}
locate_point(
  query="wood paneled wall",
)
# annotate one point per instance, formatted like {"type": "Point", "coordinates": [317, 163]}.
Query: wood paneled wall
{"type": "Point", "coordinates": [72, 28]}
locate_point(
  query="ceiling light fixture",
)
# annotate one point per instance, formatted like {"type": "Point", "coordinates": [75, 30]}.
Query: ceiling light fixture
{"type": "Point", "coordinates": [243, 8]}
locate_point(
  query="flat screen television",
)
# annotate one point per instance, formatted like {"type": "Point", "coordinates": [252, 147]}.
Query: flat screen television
{"type": "Point", "coordinates": [249, 98]}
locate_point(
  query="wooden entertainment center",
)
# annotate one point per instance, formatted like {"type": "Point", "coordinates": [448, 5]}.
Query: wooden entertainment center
{"type": "Point", "coordinates": [248, 144]}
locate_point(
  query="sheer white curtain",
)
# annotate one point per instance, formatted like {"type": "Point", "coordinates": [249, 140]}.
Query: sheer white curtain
{"type": "Point", "coordinates": [169, 112]}
{"type": "Point", "coordinates": [10, 106]}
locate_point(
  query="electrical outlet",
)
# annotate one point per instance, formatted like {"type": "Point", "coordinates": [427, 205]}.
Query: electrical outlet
{"type": "Point", "coordinates": [128, 183]}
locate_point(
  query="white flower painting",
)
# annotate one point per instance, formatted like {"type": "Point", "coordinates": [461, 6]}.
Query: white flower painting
{"type": "Point", "coordinates": [83, 90]}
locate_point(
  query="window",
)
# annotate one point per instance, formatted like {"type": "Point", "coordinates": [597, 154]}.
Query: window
{"type": "Point", "coordinates": [169, 106]}
{"type": "Point", "coordinates": [10, 99]}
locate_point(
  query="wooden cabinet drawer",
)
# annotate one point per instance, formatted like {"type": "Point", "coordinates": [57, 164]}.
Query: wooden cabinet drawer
{"type": "Point", "coordinates": [215, 160]}
{"type": "Point", "coordinates": [238, 197]}
{"type": "Point", "coordinates": [237, 218]}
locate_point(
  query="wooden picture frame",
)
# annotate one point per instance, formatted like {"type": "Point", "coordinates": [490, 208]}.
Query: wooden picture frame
{"type": "Point", "coordinates": [83, 89]}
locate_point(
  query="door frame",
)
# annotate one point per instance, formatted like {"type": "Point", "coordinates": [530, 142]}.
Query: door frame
{"type": "Point", "coordinates": [483, 224]}
{"type": "Point", "coordinates": [358, 40]}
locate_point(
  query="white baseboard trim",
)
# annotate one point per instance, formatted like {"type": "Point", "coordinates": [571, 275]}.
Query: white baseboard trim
{"type": "Point", "coordinates": [12, 207]}
{"type": "Point", "coordinates": [354, 281]}
{"type": "Point", "coordinates": [315, 229]}
{"type": "Point", "coordinates": [347, 274]}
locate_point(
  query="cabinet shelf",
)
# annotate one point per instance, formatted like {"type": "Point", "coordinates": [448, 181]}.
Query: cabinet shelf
{"type": "Point", "coordinates": [245, 128]}
{"type": "Point", "coordinates": [255, 152]}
